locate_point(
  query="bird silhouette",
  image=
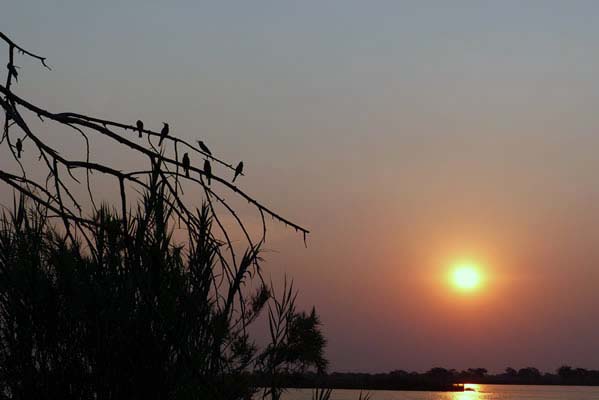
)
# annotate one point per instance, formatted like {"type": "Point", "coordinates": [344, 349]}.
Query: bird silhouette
{"type": "Point", "coordinates": [238, 170]}
{"type": "Point", "coordinates": [186, 164]}
{"type": "Point", "coordinates": [19, 147]}
{"type": "Point", "coordinates": [204, 148]}
{"type": "Point", "coordinates": [208, 170]}
{"type": "Point", "coordinates": [13, 70]}
{"type": "Point", "coordinates": [163, 133]}
{"type": "Point", "coordinates": [140, 126]}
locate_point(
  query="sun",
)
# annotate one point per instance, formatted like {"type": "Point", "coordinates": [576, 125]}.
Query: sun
{"type": "Point", "coordinates": [466, 276]}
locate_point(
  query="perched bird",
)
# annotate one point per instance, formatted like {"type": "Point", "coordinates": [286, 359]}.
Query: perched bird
{"type": "Point", "coordinates": [186, 164]}
{"type": "Point", "coordinates": [204, 148]}
{"type": "Point", "coordinates": [19, 148]}
{"type": "Point", "coordinates": [13, 70]}
{"type": "Point", "coordinates": [163, 133]}
{"type": "Point", "coordinates": [140, 126]}
{"type": "Point", "coordinates": [208, 170]}
{"type": "Point", "coordinates": [238, 170]}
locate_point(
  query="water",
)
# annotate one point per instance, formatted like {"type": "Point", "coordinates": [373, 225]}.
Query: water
{"type": "Point", "coordinates": [483, 392]}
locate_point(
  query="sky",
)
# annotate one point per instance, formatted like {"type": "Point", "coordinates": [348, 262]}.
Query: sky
{"type": "Point", "coordinates": [406, 135]}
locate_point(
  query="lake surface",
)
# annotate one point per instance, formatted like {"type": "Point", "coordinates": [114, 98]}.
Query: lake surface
{"type": "Point", "coordinates": [483, 392]}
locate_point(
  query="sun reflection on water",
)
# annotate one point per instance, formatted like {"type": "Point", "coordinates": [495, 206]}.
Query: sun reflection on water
{"type": "Point", "coordinates": [470, 392]}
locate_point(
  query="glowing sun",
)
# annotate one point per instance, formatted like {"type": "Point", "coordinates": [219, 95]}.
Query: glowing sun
{"type": "Point", "coordinates": [466, 276]}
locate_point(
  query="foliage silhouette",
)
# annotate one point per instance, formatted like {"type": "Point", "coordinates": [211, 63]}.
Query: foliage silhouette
{"type": "Point", "coordinates": [131, 316]}
{"type": "Point", "coordinates": [444, 379]}
{"type": "Point", "coordinates": [107, 304]}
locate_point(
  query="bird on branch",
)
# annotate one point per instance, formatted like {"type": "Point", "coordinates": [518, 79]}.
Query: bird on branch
{"type": "Point", "coordinates": [186, 164]}
{"type": "Point", "coordinates": [19, 147]}
{"type": "Point", "coordinates": [140, 126]}
{"type": "Point", "coordinates": [13, 70]}
{"type": "Point", "coordinates": [208, 170]}
{"type": "Point", "coordinates": [238, 170]}
{"type": "Point", "coordinates": [204, 148]}
{"type": "Point", "coordinates": [163, 133]}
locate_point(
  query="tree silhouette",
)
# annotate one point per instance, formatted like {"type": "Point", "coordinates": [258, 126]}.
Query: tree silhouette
{"type": "Point", "coordinates": [105, 303]}
{"type": "Point", "coordinates": [565, 372]}
{"type": "Point", "coordinates": [529, 372]}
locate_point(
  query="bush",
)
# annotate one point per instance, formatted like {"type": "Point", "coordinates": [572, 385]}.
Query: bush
{"type": "Point", "coordinates": [127, 314]}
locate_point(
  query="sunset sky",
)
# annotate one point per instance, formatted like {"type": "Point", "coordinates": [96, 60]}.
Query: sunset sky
{"type": "Point", "coordinates": [408, 136]}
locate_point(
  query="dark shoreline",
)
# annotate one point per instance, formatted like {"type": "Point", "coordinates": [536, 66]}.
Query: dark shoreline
{"type": "Point", "coordinates": [436, 379]}
{"type": "Point", "coordinates": [433, 388]}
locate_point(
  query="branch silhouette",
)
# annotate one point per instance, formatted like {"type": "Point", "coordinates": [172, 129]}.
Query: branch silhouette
{"type": "Point", "coordinates": [14, 107]}
{"type": "Point", "coordinates": [182, 309]}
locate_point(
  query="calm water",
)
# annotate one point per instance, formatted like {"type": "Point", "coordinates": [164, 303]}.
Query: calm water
{"type": "Point", "coordinates": [484, 392]}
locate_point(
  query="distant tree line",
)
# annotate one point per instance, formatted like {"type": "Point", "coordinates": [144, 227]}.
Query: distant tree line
{"type": "Point", "coordinates": [443, 379]}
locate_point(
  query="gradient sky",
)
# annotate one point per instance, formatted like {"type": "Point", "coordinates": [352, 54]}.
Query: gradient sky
{"type": "Point", "coordinates": [405, 134]}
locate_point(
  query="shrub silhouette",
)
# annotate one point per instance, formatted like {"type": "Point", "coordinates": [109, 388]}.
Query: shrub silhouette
{"type": "Point", "coordinates": [132, 315]}
{"type": "Point", "coordinates": [107, 304]}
